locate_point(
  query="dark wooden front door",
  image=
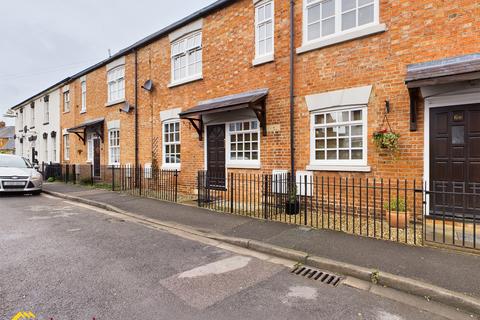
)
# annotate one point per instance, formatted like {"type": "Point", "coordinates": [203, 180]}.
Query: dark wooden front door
{"type": "Point", "coordinates": [455, 161]}
{"type": "Point", "coordinates": [96, 158]}
{"type": "Point", "coordinates": [216, 156]}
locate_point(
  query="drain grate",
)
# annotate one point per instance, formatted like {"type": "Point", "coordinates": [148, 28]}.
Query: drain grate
{"type": "Point", "coordinates": [317, 275]}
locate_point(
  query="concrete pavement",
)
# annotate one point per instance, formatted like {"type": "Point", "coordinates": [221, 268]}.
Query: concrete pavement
{"type": "Point", "coordinates": [64, 261]}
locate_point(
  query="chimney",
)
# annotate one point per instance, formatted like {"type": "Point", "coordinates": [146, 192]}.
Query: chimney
{"type": "Point", "coordinates": [2, 124]}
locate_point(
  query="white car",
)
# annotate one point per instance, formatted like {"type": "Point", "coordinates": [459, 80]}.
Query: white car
{"type": "Point", "coordinates": [17, 174]}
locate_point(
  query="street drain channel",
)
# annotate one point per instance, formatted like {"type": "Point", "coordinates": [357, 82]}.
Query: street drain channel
{"type": "Point", "coordinates": [317, 275]}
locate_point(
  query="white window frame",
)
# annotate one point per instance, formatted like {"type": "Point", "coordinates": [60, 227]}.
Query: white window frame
{"type": "Point", "coordinates": [83, 87]}
{"type": "Point", "coordinates": [54, 149]}
{"type": "Point", "coordinates": [20, 119]}
{"type": "Point", "coordinates": [253, 164]}
{"type": "Point", "coordinates": [342, 35]}
{"type": "Point", "coordinates": [267, 56]}
{"type": "Point", "coordinates": [46, 112]}
{"type": "Point", "coordinates": [66, 101]}
{"type": "Point", "coordinates": [165, 165]}
{"type": "Point", "coordinates": [340, 165]}
{"type": "Point", "coordinates": [66, 147]}
{"type": "Point", "coordinates": [32, 117]}
{"type": "Point", "coordinates": [90, 146]}
{"type": "Point", "coordinates": [116, 84]}
{"type": "Point", "coordinates": [45, 145]}
{"type": "Point", "coordinates": [114, 148]}
{"type": "Point", "coordinates": [179, 48]}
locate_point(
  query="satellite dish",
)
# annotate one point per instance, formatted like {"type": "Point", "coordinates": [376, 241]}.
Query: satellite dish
{"type": "Point", "coordinates": [127, 108]}
{"type": "Point", "coordinates": [148, 85]}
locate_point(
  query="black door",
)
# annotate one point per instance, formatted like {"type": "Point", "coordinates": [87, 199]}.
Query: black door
{"type": "Point", "coordinates": [96, 158]}
{"type": "Point", "coordinates": [455, 161]}
{"type": "Point", "coordinates": [216, 156]}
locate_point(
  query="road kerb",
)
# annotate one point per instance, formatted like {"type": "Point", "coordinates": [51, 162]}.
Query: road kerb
{"type": "Point", "coordinates": [403, 284]}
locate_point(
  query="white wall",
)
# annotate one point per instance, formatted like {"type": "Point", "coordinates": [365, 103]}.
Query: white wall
{"type": "Point", "coordinates": [38, 128]}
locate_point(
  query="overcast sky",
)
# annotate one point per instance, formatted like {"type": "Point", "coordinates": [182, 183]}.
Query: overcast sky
{"type": "Point", "coordinates": [45, 41]}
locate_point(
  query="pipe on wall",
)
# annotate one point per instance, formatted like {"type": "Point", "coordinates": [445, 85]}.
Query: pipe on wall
{"type": "Point", "coordinates": [292, 98]}
{"type": "Point", "coordinates": [136, 106]}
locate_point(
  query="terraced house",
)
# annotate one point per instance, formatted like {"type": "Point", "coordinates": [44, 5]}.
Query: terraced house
{"type": "Point", "coordinates": [37, 126]}
{"type": "Point", "coordinates": [268, 86]}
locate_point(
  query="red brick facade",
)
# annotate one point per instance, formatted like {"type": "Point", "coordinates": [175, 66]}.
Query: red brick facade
{"type": "Point", "coordinates": [416, 31]}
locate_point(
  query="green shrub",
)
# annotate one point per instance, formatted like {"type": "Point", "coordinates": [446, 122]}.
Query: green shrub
{"type": "Point", "coordinates": [51, 179]}
{"type": "Point", "coordinates": [394, 204]}
{"type": "Point", "coordinates": [86, 181]}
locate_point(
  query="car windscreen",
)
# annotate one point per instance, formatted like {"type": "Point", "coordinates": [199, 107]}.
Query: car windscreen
{"type": "Point", "coordinates": [14, 162]}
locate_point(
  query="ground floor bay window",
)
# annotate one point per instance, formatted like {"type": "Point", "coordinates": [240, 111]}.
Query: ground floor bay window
{"type": "Point", "coordinates": [339, 130]}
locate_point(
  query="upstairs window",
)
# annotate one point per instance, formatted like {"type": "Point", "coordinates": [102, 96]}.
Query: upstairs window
{"type": "Point", "coordinates": [32, 116]}
{"type": "Point", "coordinates": [171, 144]}
{"type": "Point", "coordinates": [20, 119]}
{"type": "Point", "coordinates": [66, 101]}
{"type": "Point", "coordinates": [264, 28]}
{"type": "Point", "coordinates": [324, 18]}
{"type": "Point", "coordinates": [84, 96]}
{"type": "Point", "coordinates": [46, 112]}
{"type": "Point", "coordinates": [187, 57]}
{"type": "Point", "coordinates": [116, 84]}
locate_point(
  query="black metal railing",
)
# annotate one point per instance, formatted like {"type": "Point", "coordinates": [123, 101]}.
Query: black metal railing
{"type": "Point", "coordinates": [453, 213]}
{"type": "Point", "coordinates": [141, 181]}
{"type": "Point", "coordinates": [378, 208]}
{"type": "Point", "coordinates": [149, 182]}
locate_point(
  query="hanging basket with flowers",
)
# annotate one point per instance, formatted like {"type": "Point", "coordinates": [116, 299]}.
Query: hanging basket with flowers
{"type": "Point", "coordinates": [386, 138]}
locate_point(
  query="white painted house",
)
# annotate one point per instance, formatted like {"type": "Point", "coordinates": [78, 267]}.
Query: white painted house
{"type": "Point", "coordinates": [37, 126]}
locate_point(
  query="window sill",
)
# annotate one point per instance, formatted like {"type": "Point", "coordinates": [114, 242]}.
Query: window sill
{"type": "Point", "coordinates": [82, 112]}
{"type": "Point", "coordinates": [113, 103]}
{"type": "Point", "coordinates": [262, 60]}
{"type": "Point", "coordinates": [351, 35]}
{"type": "Point", "coordinates": [171, 167]}
{"type": "Point", "coordinates": [243, 166]}
{"type": "Point", "coordinates": [346, 168]}
{"type": "Point", "coordinates": [184, 81]}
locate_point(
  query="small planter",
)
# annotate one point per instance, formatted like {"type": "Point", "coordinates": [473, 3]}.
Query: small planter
{"type": "Point", "coordinates": [292, 208]}
{"type": "Point", "coordinates": [397, 214]}
{"type": "Point", "coordinates": [398, 221]}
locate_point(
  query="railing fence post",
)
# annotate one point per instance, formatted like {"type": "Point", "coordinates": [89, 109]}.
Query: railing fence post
{"type": "Point", "coordinates": [113, 178]}
{"type": "Point", "coordinates": [231, 192]}
{"type": "Point", "coordinates": [176, 185]}
{"type": "Point", "coordinates": [265, 204]}
{"type": "Point", "coordinates": [306, 203]}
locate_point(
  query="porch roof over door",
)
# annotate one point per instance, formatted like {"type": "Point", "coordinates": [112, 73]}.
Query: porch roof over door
{"type": "Point", "coordinates": [443, 71]}
{"type": "Point", "coordinates": [254, 100]}
{"type": "Point", "coordinates": [81, 129]}
{"type": "Point", "coordinates": [437, 72]}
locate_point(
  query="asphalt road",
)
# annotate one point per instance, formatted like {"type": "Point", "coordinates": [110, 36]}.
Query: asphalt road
{"type": "Point", "coordinates": [64, 261]}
